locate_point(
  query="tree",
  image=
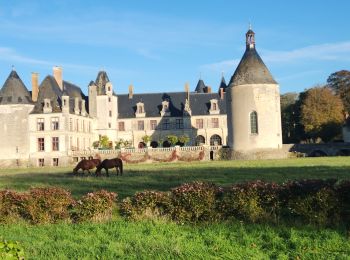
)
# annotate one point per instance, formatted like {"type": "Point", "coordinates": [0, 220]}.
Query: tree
{"type": "Point", "coordinates": [172, 139]}
{"type": "Point", "coordinates": [146, 139]}
{"type": "Point", "coordinates": [104, 142]}
{"type": "Point", "coordinates": [339, 82]}
{"type": "Point", "coordinates": [184, 139]}
{"type": "Point", "coordinates": [322, 113]}
{"type": "Point", "coordinates": [290, 118]}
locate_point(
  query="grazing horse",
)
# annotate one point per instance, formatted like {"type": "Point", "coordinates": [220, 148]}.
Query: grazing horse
{"type": "Point", "coordinates": [108, 164]}
{"type": "Point", "coordinates": [86, 165]}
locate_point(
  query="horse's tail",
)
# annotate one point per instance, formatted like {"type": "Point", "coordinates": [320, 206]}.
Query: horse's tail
{"type": "Point", "coordinates": [121, 167]}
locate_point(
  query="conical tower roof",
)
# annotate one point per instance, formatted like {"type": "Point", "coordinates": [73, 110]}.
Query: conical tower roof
{"type": "Point", "coordinates": [200, 86]}
{"type": "Point", "coordinates": [14, 91]}
{"type": "Point", "coordinates": [251, 69]}
{"type": "Point", "coordinates": [223, 84]}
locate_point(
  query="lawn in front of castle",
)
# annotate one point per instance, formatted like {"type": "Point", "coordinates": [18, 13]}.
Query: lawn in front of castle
{"type": "Point", "coordinates": [161, 239]}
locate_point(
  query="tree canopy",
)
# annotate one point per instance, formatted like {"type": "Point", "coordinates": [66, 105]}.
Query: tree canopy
{"type": "Point", "coordinates": [339, 82]}
{"type": "Point", "coordinates": [321, 113]}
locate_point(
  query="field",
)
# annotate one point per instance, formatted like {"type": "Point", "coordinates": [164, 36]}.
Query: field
{"type": "Point", "coordinates": [164, 240]}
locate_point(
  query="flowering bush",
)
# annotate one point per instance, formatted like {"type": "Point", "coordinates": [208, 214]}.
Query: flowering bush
{"type": "Point", "coordinates": [94, 206]}
{"type": "Point", "coordinates": [11, 206]}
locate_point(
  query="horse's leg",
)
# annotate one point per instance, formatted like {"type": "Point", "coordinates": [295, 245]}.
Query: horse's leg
{"type": "Point", "coordinates": [107, 172]}
{"type": "Point", "coordinates": [117, 170]}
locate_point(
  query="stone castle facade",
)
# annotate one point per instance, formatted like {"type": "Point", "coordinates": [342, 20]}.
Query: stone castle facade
{"type": "Point", "coordinates": [44, 126]}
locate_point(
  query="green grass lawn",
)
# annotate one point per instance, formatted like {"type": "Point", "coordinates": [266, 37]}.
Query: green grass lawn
{"type": "Point", "coordinates": [165, 240]}
{"type": "Point", "coordinates": [163, 176]}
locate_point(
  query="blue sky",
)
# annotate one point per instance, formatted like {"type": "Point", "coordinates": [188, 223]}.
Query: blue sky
{"type": "Point", "coordinates": [161, 45]}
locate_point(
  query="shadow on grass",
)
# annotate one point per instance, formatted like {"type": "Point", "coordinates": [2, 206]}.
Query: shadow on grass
{"type": "Point", "coordinates": [157, 178]}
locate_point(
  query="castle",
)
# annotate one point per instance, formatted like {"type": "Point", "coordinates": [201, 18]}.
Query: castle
{"type": "Point", "coordinates": [42, 127]}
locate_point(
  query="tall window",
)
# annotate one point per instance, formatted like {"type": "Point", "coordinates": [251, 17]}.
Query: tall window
{"type": "Point", "coordinates": [55, 144]}
{"type": "Point", "coordinates": [254, 123]}
{"type": "Point", "coordinates": [41, 144]}
{"type": "Point", "coordinates": [140, 125]}
{"type": "Point", "coordinates": [110, 113]}
{"type": "Point", "coordinates": [215, 140]}
{"type": "Point", "coordinates": [54, 161]}
{"type": "Point", "coordinates": [179, 124]}
{"type": "Point", "coordinates": [55, 123]}
{"type": "Point", "coordinates": [166, 124]}
{"type": "Point", "coordinates": [40, 124]}
{"type": "Point", "coordinates": [199, 123]}
{"type": "Point", "coordinates": [153, 124]}
{"type": "Point", "coordinates": [77, 125]}
{"type": "Point", "coordinates": [41, 162]}
{"type": "Point", "coordinates": [121, 126]}
{"type": "Point", "coordinates": [215, 122]}
{"type": "Point", "coordinates": [215, 106]}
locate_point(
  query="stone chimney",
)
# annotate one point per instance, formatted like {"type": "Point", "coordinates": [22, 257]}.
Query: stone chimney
{"type": "Point", "coordinates": [131, 91]}
{"type": "Point", "coordinates": [222, 93]}
{"type": "Point", "coordinates": [207, 89]}
{"type": "Point", "coordinates": [76, 106]}
{"type": "Point", "coordinates": [35, 86]}
{"type": "Point", "coordinates": [57, 74]}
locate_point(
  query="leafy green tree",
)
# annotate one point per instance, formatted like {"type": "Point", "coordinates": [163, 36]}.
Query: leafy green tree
{"type": "Point", "coordinates": [339, 82]}
{"type": "Point", "coordinates": [146, 139]}
{"type": "Point", "coordinates": [104, 142]}
{"type": "Point", "coordinates": [184, 139]}
{"type": "Point", "coordinates": [172, 139]}
{"type": "Point", "coordinates": [322, 113]}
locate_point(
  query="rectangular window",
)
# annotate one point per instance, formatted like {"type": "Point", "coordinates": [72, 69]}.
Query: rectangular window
{"type": "Point", "coordinates": [55, 144]}
{"type": "Point", "coordinates": [153, 124]}
{"type": "Point", "coordinates": [109, 125]}
{"type": "Point", "coordinates": [40, 124]}
{"type": "Point", "coordinates": [140, 125]}
{"type": "Point", "coordinates": [54, 161]}
{"type": "Point", "coordinates": [121, 126]}
{"type": "Point", "coordinates": [109, 99]}
{"type": "Point", "coordinates": [110, 113]}
{"type": "Point", "coordinates": [55, 123]}
{"type": "Point", "coordinates": [179, 123]}
{"type": "Point", "coordinates": [199, 123]}
{"type": "Point", "coordinates": [166, 124]}
{"type": "Point", "coordinates": [41, 162]}
{"type": "Point", "coordinates": [214, 106]}
{"type": "Point", "coordinates": [41, 144]}
{"type": "Point", "coordinates": [77, 125]}
{"type": "Point", "coordinates": [215, 122]}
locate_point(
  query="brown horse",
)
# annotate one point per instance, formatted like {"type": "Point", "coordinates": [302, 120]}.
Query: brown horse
{"type": "Point", "coordinates": [108, 164]}
{"type": "Point", "coordinates": [86, 165]}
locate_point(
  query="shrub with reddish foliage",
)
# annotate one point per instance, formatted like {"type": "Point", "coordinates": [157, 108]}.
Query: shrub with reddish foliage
{"type": "Point", "coordinates": [253, 201]}
{"type": "Point", "coordinates": [194, 202]}
{"type": "Point", "coordinates": [12, 206]}
{"type": "Point", "coordinates": [147, 204]}
{"type": "Point", "coordinates": [313, 201]}
{"type": "Point", "coordinates": [48, 205]}
{"type": "Point", "coordinates": [94, 206]}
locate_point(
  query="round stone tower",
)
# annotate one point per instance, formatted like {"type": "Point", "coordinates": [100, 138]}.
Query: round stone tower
{"type": "Point", "coordinates": [253, 104]}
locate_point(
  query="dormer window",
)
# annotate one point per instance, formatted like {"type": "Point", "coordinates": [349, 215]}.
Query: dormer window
{"type": "Point", "coordinates": [165, 108]}
{"type": "Point", "coordinates": [214, 107]}
{"type": "Point", "coordinates": [140, 110]}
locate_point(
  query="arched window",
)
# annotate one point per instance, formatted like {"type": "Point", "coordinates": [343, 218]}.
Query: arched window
{"type": "Point", "coordinates": [200, 140]}
{"type": "Point", "coordinates": [154, 144]}
{"type": "Point", "coordinates": [254, 123]}
{"type": "Point", "coordinates": [215, 140]}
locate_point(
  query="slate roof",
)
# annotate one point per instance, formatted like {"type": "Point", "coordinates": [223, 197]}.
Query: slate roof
{"type": "Point", "coordinates": [50, 89]}
{"type": "Point", "coordinates": [200, 86]}
{"type": "Point", "coordinates": [222, 84]}
{"type": "Point", "coordinates": [100, 82]}
{"type": "Point", "coordinates": [251, 69]}
{"type": "Point", "coordinates": [14, 91]}
{"type": "Point", "coordinates": [199, 103]}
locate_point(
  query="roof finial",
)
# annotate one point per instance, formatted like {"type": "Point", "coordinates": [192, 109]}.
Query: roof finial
{"type": "Point", "coordinates": [13, 67]}
{"type": "Point", "coordinates": [250, 25]}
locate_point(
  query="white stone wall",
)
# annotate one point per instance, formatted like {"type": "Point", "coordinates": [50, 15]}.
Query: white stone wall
{"type": "Point", "coordinates": [14, 131]}
{"type": "Point", "coordinates": [265, 100]}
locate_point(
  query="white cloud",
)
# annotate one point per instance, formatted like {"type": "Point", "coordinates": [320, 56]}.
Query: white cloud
{"type": "Point", "coordinates": [324, 52]}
